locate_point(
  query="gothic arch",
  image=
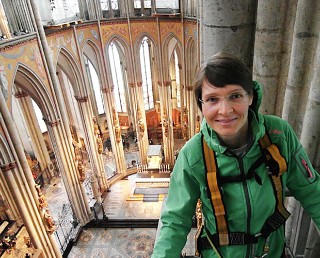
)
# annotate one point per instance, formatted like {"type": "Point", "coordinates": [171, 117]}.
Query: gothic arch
{"type": "Point", "coordinates": [191, 61]}
{"type": "Point", "coordinates": [169, 45]}
{"type": "Point", "coordinates": [92, 52]}
{"type": "Point", "coordinates": [70, 66]}
{"type": "Point", "coordinates": [154, 53]}
{"type": "Point", "coordinates": [125, 56]}
{"type": "Point", "coordinates": [31, 84]}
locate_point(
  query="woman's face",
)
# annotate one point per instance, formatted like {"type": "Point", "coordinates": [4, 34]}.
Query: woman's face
{"type": "Point", "coordinates": [226, 111]}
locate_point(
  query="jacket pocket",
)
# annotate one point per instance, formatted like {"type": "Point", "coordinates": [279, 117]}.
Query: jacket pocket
{"type": "Point", "coordinates": [304, 165]}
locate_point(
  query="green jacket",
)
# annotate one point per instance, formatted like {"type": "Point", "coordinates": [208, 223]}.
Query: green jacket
{"type": "Point", "coordinates": [247, 204]}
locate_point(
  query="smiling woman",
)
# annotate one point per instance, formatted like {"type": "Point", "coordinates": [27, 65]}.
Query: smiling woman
{"type": "Point", "coordinates": [238, 165]}
{"type": "Point", "coordinates": [226, 111]}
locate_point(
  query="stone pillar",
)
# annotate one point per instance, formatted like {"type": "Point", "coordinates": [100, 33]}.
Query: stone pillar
{"type": "Point", "coordinates": [17, 173]}
{"type": "Point", "coordinates": [75, 190]}
{"type": "Point", "coordinates": [114, 129]}
{"type": "Point", "coordinates": [60, 134]}
{"type": "Point", "coordinates": [310, 133]}
{"type": "Point", "coordinates": [38, 144]}
{"type": "Point", "coordinates": [5, 31]}
{"type": "Point", "coordinates": [302, 53]}
{"type": "Point", "coordinates": [83, 9]}
{"type": "Point", "coordinates": [268, 50]}
{"type": "Point", "coordinates": [228, 26]}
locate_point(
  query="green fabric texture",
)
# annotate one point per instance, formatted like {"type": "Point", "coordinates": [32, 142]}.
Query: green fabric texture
{"type": "Point", "coordinates": [247, 204]}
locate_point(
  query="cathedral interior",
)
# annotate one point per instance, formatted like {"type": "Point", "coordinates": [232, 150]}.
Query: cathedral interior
{"type": "Point", "coordinates": [97, 99]}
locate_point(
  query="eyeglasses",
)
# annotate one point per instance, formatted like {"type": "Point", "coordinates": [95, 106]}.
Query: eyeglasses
{"type": "Point", "coordinates": [233, 99]}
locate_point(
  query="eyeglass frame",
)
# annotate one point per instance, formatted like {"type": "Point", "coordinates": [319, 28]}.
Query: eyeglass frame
{"type": "Point", "coordinates": [230, 102]}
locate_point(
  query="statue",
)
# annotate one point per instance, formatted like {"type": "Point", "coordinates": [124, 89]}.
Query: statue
{"type": "Point", "coordinates": [49, 223]}
{"type": "Point", "coordinates": [78, 158]}
{"type": "Point", "coordinates": [38, 189]}
{"type": "Point", "coordinates": [140, 122]}
{"type": "Point", "coordinates": [98, 135]}
{"type": "Point", "coordinates": [96, 129]}
{"type": "Point", "coordinates": [184, 123]}
{"type": "Point", "coordinates": [100, 145]}
{"type": "Point", "coordinates": [118, 133]}
{"type": "Point", "coordinates": [81, 171]}
{"type": "Point", "coordinates": [42, 202]}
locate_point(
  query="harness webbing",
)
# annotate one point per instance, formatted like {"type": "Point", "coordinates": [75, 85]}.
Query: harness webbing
{"type": "Point", "coordinates": [216, 198]}
{"type": "Point", "coordinates": [277, 166]}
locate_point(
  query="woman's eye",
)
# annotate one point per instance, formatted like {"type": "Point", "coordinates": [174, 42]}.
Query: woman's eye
{"type": "Point", "coordinates": [212, 100]}
{"type": "Point", "coordinates": [235, 96]}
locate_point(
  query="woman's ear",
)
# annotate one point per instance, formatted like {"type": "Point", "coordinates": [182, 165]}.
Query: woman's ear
{"type": "Point", "coordinates": [250, 99]}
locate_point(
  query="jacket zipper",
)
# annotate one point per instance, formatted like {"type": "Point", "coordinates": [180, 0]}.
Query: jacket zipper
{"type": "Point", "coordinates": [248, 204]}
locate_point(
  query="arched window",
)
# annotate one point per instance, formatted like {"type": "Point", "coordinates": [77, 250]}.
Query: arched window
{"type": "Point", "coordinates": [42, 124]}
{"type": "Point", "coordinates": [146, 74]}
{"type": "Point", "coordinates": [94, 79]}
{"type": "Point", "coordinates": [117, 78]}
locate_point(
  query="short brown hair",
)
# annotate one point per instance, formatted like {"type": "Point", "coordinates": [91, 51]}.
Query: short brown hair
{"type": "Point", "coordinates": [222, 69]}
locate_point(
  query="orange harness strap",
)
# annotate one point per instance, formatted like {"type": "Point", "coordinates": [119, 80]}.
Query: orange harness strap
{"type": "Point", "coordinates": [216, 198]}
{"type": "Point", "coordinates": [272, 152]}
{"type": "Point", "coordinates": [277, 166]}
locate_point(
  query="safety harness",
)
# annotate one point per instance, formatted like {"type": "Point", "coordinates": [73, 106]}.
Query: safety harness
{"type": "Point", "coordinates": [276, 164]}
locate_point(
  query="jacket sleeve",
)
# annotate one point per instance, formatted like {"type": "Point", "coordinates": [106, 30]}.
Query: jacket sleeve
{"type": "Point", "coordinates": [179, 209]}
{"type": "Point", "coordinates": [303, 180]}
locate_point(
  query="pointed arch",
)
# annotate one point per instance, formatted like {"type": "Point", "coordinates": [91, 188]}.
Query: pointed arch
{"type": "Point", "coordinates": [170, 43]}
{"type": "Point", "coordinates": [69, 65]}
{"type": "Point", "coordinates": [120, 68]}
{"type": "Point", "coordinates": [30, 83]}
{"type": "Point", "coordinates": [148, 79]}
{"type": "Point", "coordinates": [154, 54]}
{"type": "Point", "coordinates": [93, 52]}
{"type": "Point", "coordinates": [191, 60]}
{"type": "Point", "coordinates": [123, 48]}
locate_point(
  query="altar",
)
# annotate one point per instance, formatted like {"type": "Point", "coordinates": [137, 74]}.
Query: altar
{"type": "Point", "coordinates": [154, 158]}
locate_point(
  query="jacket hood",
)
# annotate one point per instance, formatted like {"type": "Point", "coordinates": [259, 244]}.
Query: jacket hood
{"type": "Point", "coordinates": [257, 97]}
{"type": "Point", "coordinates": [256, 121]}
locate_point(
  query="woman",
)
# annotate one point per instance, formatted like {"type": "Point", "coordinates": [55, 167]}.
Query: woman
{"type": "Point", "coordinates": [238, 166]}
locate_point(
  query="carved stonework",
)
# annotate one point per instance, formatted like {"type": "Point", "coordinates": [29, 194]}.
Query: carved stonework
{"type": "Point", "coordinates": [81, 99]}
{"type": "Point", "coordinates": [117, 128]}
{"type": "Point", "coordinates": [48, 221]}
{"type": "Point", "coordinates": [8, 166]}
{"type": "Point", "coordinates": [97, 134]}
{"type": "Point", "coordinates": [165, 123]}
{"type": "Point", "coordinates": [141, 126]}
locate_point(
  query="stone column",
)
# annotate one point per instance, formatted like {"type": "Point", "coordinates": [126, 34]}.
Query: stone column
{"type": "Point", "coordinates": [37, 141]}
{"type": "Point", "coordinates": [19, 179]}
{"type": "Point", "coordinates": [5, 31]}
{"type": "Point", "coordinates": [228, 26]}
{"type": "Point", "coordinates": [310, 134]}
{"type": "Point", "coordinates": [60, 134]}
{"type": "Point", "coordinates": [271, 17]}
{"type": "Point", "coordinates": [302, 53]}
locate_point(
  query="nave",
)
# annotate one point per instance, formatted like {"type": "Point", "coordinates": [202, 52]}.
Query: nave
{"type": "Point", "coordinates": [116, 240]}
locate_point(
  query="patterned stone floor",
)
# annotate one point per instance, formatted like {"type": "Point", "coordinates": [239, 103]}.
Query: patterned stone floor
{"type": "Point", "coordinates": [116, 204]}
{"type": "Point", "coordinates": [120, 243]}
{"type": "Point", "coordinates": [114, 243]}
{"type": "Point", "coordinates": [123, 243]}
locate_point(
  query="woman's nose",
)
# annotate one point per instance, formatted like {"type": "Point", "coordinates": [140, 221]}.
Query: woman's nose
{"type": "Point", "coordinates": [225, 107]}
